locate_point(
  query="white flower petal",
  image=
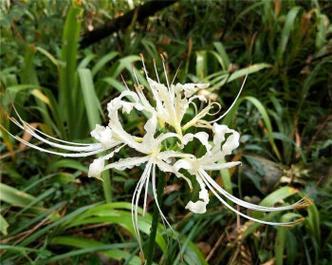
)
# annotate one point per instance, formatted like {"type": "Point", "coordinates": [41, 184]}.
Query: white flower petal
{"type": "Point", "coordinates": [198, 207]}
{"type": "Point", "coordinates": [128, 163]}
{"type": "Point", "coordinates": [103, 135]}
{"type": "Point", "coordinates": [231, 143]}
{"type": "Point", "coordinates": [96, 168]}
{"type": "Point", "coordinates": [183, 164]}
{"type": "Point", "coordinates": [190, 89]}
{"type": "Point", "coordinates": [203, 137]}
{"type": "Point", "coordinates": [219, 166]}
{"type": "Point", "coordinates": [219, 134]}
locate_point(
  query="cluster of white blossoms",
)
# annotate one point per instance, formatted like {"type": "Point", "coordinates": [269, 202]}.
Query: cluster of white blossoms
{"type": "Point", "coordinates": [163, 145]}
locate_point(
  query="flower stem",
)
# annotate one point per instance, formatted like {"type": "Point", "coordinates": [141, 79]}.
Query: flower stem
{"type": "Point", "coordinates": [154, 225]}
{"type": "Point", "coordinates": [107, 187]}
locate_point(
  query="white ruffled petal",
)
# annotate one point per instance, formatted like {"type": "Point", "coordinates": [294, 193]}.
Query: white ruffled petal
{"type": "Point", "coordinates": [200, 205]}
{"type": "Point", "coordinates": [128, 163]}
{"type": "Point", "coordinates": [231, 143]}
{"type": "Point", "coordinates": [219, 134]}
{"type": "Point", "coordinates": [183, 164]}
{"type": "Point", "coordinates": [219, 166]}
{"type": "Point", "coordinates": [103, 135]}
{"type": "Point", "coordinates": [203, 137]}
{"type": "Point", "coordinates": [96, 168]}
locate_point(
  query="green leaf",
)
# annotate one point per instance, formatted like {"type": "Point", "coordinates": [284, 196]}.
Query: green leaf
{"type": "Point", "coordinates": [222, 55]}
{"type": "Point", "coordinates": [48, 55]}
{"type": "Point", "coordinates": [15, 197]}
{"type": "Point", "coordinates": [92, 105]}
{"type": "Point", "coordinates": [280, 244]}
{"type": "Point", "coordinates": [3, 225]}
{"type": "Point", "coordinates": [286, 31]}
{"type": "Point", "coordinates": [201, 64]}
{"type": "Point", "coordinates": [84, 243]}
{"type": "Point", "coordinates": [278, 196]}
{"type": "Point", "coordinates": [67, 163]}
{"type": "Point", "coordinates": [103, 61]}
{"type": "Point", "coordinates": [262, 110]}
{"type": "Point", "coordinates": [68, 92]}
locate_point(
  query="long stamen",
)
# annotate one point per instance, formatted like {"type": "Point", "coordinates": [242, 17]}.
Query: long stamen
{"type": "Point", "coordinates": [155, 69]}
{"type": "Point", "coordinates": [91, 147]}
{"type": "Point", "coordinates": [199, 116]}
{"type": "Point", "coordinates": [135, 75]}
{"type": "Point", "coordinates": [146, 173]}
{"type": "Point", "coordinates": [165, 71]}
{"type": "Point", "coordinates": [154, 190]}
{"type": "Point", "coordinates": [46, 135]}
{"type": "Point", "coordinates": [146, 194]}
{"type": "Point", "coordinates": [235, 100]}
{"type": "Point", "coordinates": [124, 82]}
{"type": "Point", "coordinates": [144, 68]}
{"type": "Point", "coordinates": [52, 152]}
{"type": "Point", "coordinates": [247, 216]}
{"type": "Point", "coordinates": [176, 73]}
{"type": "Point", "coordinates": [248, 205]}
{"type": "Point", "coordinates": [133, 212]}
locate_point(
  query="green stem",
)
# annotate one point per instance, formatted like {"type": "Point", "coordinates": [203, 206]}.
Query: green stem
{"type": "Point", "coordinates": [154, 225]}
{"type": "Point", "coordinates": [107, 186]}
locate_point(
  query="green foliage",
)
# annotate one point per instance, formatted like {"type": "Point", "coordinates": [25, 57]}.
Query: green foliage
{"type": "Point", "coordinates": [52, 213]}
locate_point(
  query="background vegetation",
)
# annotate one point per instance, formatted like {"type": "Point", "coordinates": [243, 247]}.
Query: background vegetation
{"type": "Point", "coordinates": [52, 213]}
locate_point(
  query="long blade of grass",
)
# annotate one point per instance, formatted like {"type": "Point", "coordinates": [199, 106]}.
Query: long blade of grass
{"type": "Point", "coordinates": [68, 92]}
{"type": "Point", "coordinates": [3, 225]}
{"type": "Point", "coordinates": [93, 110]}
{"type": "Point", "coordinates": [286, 32]}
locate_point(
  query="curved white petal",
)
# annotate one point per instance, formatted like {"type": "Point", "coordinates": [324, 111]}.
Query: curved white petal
{"type": "Point", "coordinates": [203, 137]}
{"type": "Point", "coordinates": [96, 168]}
{"type": "Point", "coordinates": [183, 164]}
{"type": "Point", "coordinates": [165, 167]}
{"type": "Point", "coordinates": [127, 163]}
{"type": "Point", "coordinates": [103, 135]}
{"type": "Point", "coordinates": [231, 143]}
{"type": "Point", "coordinates": [200, 205]}
{"type": "Point", "coordinates": [219, 166]}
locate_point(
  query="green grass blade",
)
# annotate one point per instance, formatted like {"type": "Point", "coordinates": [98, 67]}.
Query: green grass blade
{"type": "Point", "coordinates": [92, 105]}
{"type": "Point", "coordinates": [286, 32]}
{"type": "Point", "coordinates": [223, 57]}
{"type": "Point", "coordinates": [84, 243]}
{"type": "Point", "coordinates": [68, 92]}
{"type": "Point", "coordinates": [262, 110]}
{"type": "Point", "coordinates": [14, 196]}
{"type": "Point", "coordinates": [93, 109]}
{"type": "Point", "coordinates": [3, 225]}
{"type": "Point", "coordinates": [103, 61]}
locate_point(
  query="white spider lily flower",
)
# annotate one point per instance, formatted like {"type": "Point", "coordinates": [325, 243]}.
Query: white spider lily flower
{"type": "Point", "coordinates": [170, 104]}
{"type": "Point", "coordinates": [222, 146]}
